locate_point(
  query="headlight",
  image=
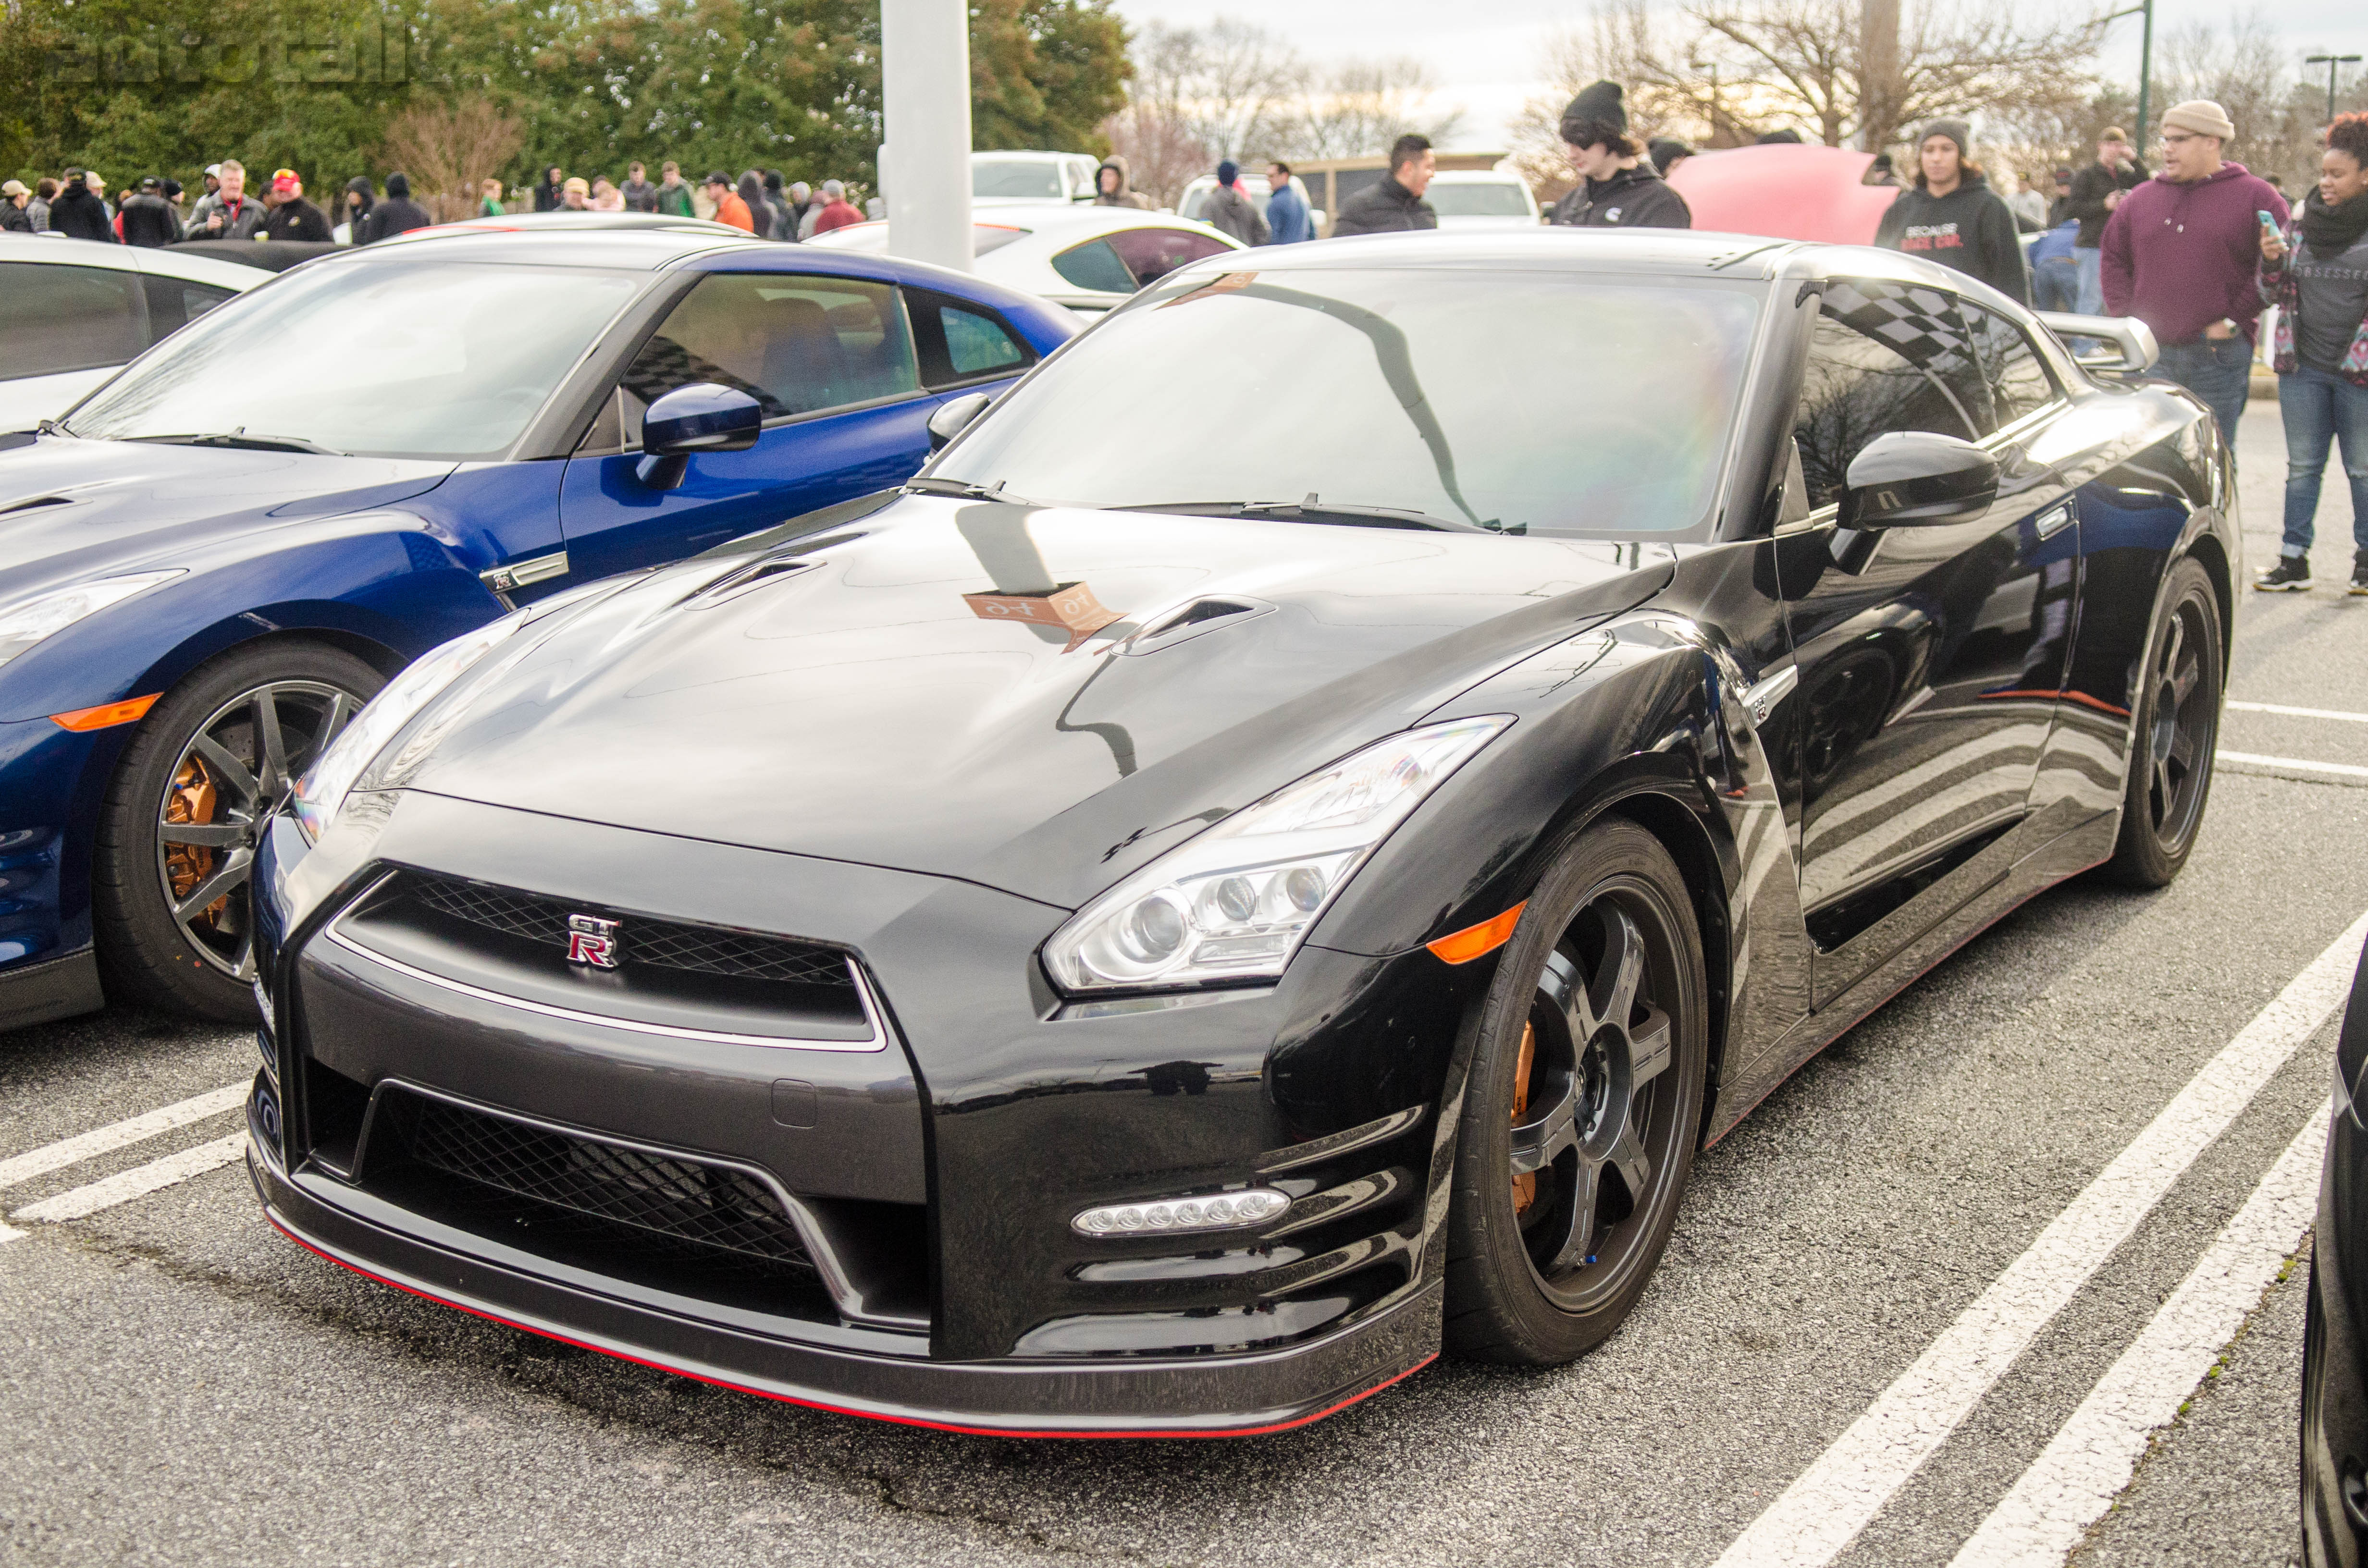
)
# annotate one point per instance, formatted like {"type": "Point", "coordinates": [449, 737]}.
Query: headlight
{"type": "Point", "coordinates": [25, 624]}
{"type": "Point", "coordinates": [1234, 903]}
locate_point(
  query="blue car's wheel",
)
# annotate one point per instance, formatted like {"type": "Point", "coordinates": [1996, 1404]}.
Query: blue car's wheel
{"type": "Point", "coordinates": [177, 841]}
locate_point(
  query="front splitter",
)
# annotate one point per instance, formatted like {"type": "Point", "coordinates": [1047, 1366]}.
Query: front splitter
{"type": "Point", "coordinates": [1229, 1396]}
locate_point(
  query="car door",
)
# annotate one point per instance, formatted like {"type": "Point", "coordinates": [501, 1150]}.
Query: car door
{"type": "Point", "coordinates": [833, 363]}
{"type": "Point", "coordinates": [63, 329]}
{"type": "Point", "coordinates": [1928, 658]}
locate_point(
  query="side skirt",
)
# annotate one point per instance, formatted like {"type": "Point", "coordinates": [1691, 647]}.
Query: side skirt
{"type": "Point", "coordinates": [55, 988]}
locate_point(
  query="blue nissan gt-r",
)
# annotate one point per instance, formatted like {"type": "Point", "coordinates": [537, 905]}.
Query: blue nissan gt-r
{"type": "Point", "coordinates": [216, 558]}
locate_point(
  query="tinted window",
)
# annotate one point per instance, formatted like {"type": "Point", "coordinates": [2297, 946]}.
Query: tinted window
{"type": "Point", "coordinates": [67, 318]}
{"type": "Point", "coordinates": [975, 345]}
{"type": "Point", "coordinates": [2020, 381]}
{"type": "Point", "coordinates": [1538, 401]}
{"type": "Point", "coordinates": [1495, 198]}
{"type": "Point", "coordinates": [797, 344]}
{"type": "Point", "coordinates": [1885, 357]}
{"type": "Point", "coordinates": [1094, 265]}
{"type": "Point", "coordinates": [1152, 254]}
{"type": "Point", "coordinates": [174, 304]}
{"type": "Point", "coordinates": [1025, 177]}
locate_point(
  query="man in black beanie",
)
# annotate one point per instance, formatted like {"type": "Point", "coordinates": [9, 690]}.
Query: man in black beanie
{"type": "Point", "coordinates": [1615, 188]}
{"type": "Point", "coordinates": [398, 214]}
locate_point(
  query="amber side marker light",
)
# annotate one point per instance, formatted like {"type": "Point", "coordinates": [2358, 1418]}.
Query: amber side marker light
{"type": "Point", "coordinates": [107, 714]}
{"type": "Point", "coordinates": [1479, 941]}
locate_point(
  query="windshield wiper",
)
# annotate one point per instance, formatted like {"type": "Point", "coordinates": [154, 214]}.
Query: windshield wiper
{"type": "Point", "coordinates": [240, 439]}
{"type": "Point", "coordinates": [968, 491]}
{"type": "Point", "coordinates": [1312, 510]}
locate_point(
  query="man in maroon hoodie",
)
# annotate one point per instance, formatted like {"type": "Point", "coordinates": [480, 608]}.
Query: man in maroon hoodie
{"type": "Point", "coordinates": [2179, 254]}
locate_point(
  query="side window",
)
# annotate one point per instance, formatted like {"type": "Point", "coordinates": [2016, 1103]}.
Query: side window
{"type": "Point", "coordinates": [1152, 254]}
{"type": "Point", "coordinates": [2020, 381]}
{"type": "Point", "coordinates": [1094, 265]}
{"type": "Point", "coordinates": [1885, 357]}
{"type": "Point", "coordinates": [174, 304]}
{"type": "Point", "coordinates": [55, 319]}
{"type": "Point", "coordinates": [960, 341]}
{"type": "Point", "coordinates": [796, 343]}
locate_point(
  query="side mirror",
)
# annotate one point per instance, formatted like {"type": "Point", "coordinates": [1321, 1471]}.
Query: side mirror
{"type": "Point", "coordinates": [701, 417]}
{"type": "Point", "coordinates": [955, 415]}
{"type": "Point", "coordinates": [1912, 479]}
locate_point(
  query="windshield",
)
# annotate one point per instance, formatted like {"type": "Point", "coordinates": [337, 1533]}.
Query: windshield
{"type": "Point", "coordinates": [1016, 177]}
{"type": "Point", "coordinates": [1492, 199]}
{"type": "Point", "coordinates": [426, 359]}
{"type": "Point", "coordinates": [1550, 403]}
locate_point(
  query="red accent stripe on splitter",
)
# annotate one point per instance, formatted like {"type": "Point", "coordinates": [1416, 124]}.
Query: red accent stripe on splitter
{"type": "Point", "coordinates": [840, 1409]}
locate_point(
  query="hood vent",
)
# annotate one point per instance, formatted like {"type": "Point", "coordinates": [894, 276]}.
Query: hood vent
{"type": "Point", "coordinates": [32, 503]}
{"type": "Point", "coordinates": [1189, 621]}
{"type": "Point", "coordinates": [746, 579]}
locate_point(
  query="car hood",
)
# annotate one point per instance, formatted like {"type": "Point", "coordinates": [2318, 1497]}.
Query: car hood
{"type": "Point", "coordinates": [71, 509]}
{"type": "Point", "coordinates": [906, 696]}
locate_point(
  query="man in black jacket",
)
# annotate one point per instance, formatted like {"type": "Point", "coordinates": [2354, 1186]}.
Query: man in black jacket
{"type": "Point", "coordinates": [1393, 203]}
{"type": "Point", "coordinates": [1616, 189]}
{"type": "Point", "coordinates": [2096, 191]}
{"type": "Point", "coordinates": [1951, 215]}
{"type": "Point", "coordinates": [398, 214]}
{"type": "Point", "coordinates": [292, 216]}
{"type": "Point", "coordinates": [76, 212]}
{"type": "Point", "coordinates": [148, 219]}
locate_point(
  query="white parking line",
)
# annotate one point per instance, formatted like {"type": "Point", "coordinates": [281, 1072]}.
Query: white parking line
{"type": "Point", "coordinates": [21, 1168]}
{"type": "Point", "coordinates": [1824, 1509]}
{"type": "Point", "coordinates": [2296, 713]}
{"type": "Point", "coordinates": [137, 1182]}
{"type": "Point", "coordinates": [2339, 769]}
{"type": "Point", "coordinates": [2080, 1472]}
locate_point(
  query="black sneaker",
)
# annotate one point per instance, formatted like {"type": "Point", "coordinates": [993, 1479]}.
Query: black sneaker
{"type": "Point", "coordinates": [2360, 573]}
{"type": "Point", "coordinates": [2291, 574]}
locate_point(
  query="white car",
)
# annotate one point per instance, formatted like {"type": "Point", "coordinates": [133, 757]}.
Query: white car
{"type": "Point", "coordinates": [1087, 258]}
{"type": "Point", "coordinates": [1481, 198]}
{"type": "Point", "coordinates": [71, 312]}
{"type": "Point", "coordinates": [997, 177]}
{"type": "Point", "coordinates": [1194, 202]}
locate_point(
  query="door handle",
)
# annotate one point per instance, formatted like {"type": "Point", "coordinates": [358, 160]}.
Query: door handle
{"type": "Point", "coordinates": [2055, 520]}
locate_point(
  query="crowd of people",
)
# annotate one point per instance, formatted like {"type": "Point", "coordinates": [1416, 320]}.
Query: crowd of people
{"type": "Point", "coordinates": [74, 204]}
{"type": "Point", "coordinates": [759, 201]}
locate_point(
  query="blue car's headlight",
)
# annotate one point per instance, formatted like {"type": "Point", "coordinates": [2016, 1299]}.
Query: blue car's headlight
{"type": "Point", "coordinates": [1234, 903]}
{"type": "Point", "coordinates": [27, 622]}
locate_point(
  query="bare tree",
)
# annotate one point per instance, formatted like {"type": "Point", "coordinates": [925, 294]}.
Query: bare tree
{"type": "Point", "coordinates": [1619, 41]}
{"type": "Point", "coordinates": [2245, 69]}
{"type": "Point", "coordinates": [1232, 85]}
{"type": "Point", "coordinates": [1360, 108]}
{"type": "Point", "coordinates": [448, 148]}
{"type": "Point", "coordinates": [1161, 153]}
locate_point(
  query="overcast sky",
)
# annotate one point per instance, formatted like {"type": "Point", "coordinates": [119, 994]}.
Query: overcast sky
{"type": "Point", "coordinates": [1485, 50]}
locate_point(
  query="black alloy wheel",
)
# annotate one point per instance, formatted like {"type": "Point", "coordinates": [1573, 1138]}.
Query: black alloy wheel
{"type": "Point", "coordinates": [176, 845]}
{"type": "Point", "coordinates": [1583, 1105]}
{"type": "Point", "coordinates": [2178, 724]}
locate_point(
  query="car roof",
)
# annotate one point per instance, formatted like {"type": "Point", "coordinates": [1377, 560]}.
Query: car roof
{"type": "Point", "coordinates": [1676, 252]}
{"type": "Point", "coordinates": [528, 223]}
{"type": "Point", "coordinates": [1063, 220]}
{"type": "Point", "coordinates": [158, 261]}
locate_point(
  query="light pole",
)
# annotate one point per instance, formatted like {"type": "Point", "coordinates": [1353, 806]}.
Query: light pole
{"type": "Point", "coordinates": [2331, 61]}
{"type": "Point", "coordinates": [925, 83]}
{"type": "Point", "coordinates": [2145, 64]}
{"type": "Point", "coordinates": [1711, 66]}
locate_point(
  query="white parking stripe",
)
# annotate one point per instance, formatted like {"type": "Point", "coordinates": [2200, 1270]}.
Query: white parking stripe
{"type": "Point", "coordinates": [1822, 1510]}
{"type": "Point", "coordinates": [2080, 1472]}
{"type": "Point", "coordinates": [2340, 769]}
{"type": "Point", "coordinates": [8, 1233]}
{"type": "Point", "coordinates": [137, 1182]}
{"type": "Point", "coordinates": [21, 1168]}
{"type": "Point", "coordinates": [2296, 712]}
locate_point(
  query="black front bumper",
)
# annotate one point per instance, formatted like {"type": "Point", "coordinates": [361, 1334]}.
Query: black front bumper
{"type": "Point", "coordinates": [1214, 1396]}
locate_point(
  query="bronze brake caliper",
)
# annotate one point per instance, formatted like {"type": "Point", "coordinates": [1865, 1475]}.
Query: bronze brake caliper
{"type": "Point", "coordinates": [1525, 1186]}
{"type": "Point", "coordinates": [192, 799]}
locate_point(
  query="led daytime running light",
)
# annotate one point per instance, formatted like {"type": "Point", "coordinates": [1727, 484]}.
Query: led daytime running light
{"type": "Point", "coordinates": [1167, 1216]}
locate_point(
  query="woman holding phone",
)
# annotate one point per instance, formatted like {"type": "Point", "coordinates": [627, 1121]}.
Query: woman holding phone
{"type": "Point", "coordinates": [2316, 274]}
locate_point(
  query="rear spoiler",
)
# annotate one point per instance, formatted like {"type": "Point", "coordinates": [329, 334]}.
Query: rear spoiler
{"type": "Point", "coordinates": [2131, 351]}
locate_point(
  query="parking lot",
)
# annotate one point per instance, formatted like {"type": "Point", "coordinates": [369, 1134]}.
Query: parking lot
{"type": "Point", "coordinates": [1829, 1335]}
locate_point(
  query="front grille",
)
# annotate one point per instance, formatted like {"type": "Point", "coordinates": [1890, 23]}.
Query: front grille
{"type": "Point", "coordinates": [706, 1208]}
{"type": "Point", "coordinates": [661, 944]}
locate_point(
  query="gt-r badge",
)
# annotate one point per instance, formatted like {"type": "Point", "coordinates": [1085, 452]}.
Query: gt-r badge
{"type": "Point", "coordinates": [591, 941]}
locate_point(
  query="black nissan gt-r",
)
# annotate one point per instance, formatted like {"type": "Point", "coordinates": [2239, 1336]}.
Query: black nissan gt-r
{"type": "Point", "coordinates": [1137, 932]}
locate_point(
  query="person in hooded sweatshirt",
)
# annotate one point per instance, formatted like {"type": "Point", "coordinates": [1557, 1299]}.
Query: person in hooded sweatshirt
{"type": "Point", "coordinates": [1112, 187]}
{"type": "Point", "coordinates": [1230, 212]}
{"type": "Point", "coordinates": [78, 213]}
{"type": "Point", "coordinates": [761, 216]}
{"type": "Point", "coordinates": [398, 214]}
{"type": "Point", "coordinates": [360, 199]}
{"type": "Point", "coordinates": [1616, 189]}
{"type": "Point", "coordinates": [1951, 215]}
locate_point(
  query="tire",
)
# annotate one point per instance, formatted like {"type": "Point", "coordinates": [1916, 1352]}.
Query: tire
{"type": "Point", "coordinates": [158, 946]}
{"type": "Point", "coordinates": [2178, 724]}
{"type": "Point", "coordinates": [1559, 1215]}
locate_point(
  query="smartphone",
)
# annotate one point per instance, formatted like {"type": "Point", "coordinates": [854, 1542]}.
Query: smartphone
{"type": "Point", "coordinates": [2269, 221]}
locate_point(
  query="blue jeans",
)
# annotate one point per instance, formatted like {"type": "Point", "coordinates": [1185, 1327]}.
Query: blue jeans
{"type": "Point", "coordinates": [2055, 285]}
{"type": "Point", "coordinates": [2219, 372]}
{"type": "Point", "coordinates": [2091, 266]}
{"type": "Point", "coordinates": [2319, 409]}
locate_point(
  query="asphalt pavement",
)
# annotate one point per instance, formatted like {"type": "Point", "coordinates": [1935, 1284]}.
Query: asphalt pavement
{"type": "Point", "coordinates": [1891, 1289]}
